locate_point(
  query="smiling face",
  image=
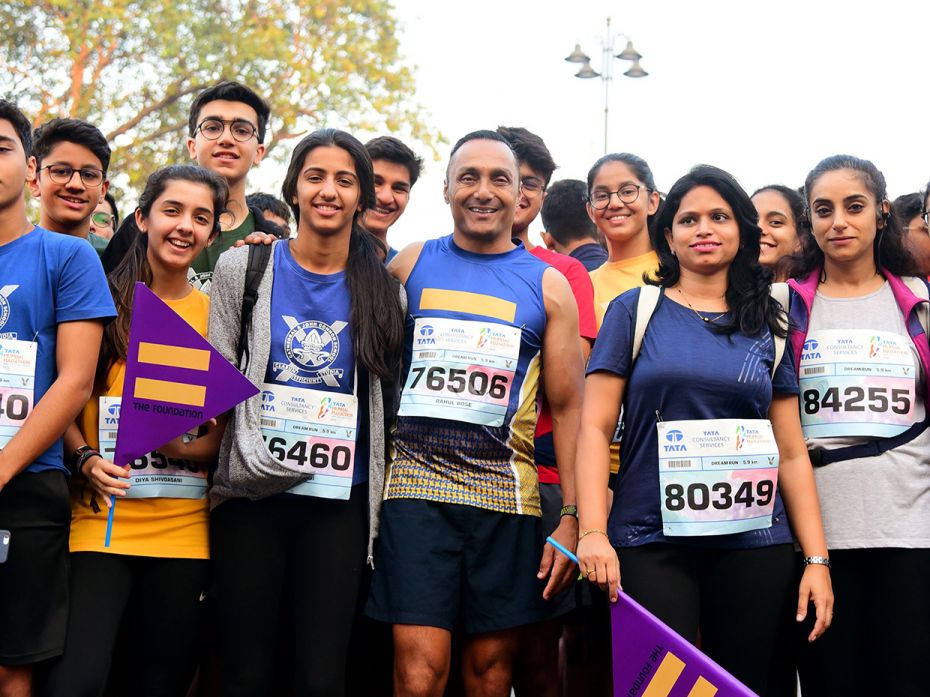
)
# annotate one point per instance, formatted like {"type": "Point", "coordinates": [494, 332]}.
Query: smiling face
{"type": "Point", "coordinates": [779, 229]}
{"type": "Point", "coordinates": [328, 192]}
{"type": "Point", "coordinates": [482, 187]}
{"type": "Point", "coordinates": [618, 221]}
{"type": "Point", "coordinates": [704, 234]}
{"type": "Point", "coordinates": [844, 216]}
{"type": "Point", "coordinates": [392, 192]}
{"type": "Point", "coordinates": [226, 156]}
{"type": "Point", "coordinates": [67, 206]}
{"type": "Point", "coordinates": [179, 224]}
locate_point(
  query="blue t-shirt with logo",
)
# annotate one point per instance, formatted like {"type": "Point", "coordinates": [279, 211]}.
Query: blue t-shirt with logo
{"type": "Point", "coordinates": [48, 278]}
{"type": "Point", "coordinates": [684, 371]}
{"type": "Point", "coordinates": [311, 340]}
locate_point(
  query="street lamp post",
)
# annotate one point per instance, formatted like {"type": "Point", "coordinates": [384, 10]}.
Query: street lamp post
{"type": "Point", "coordinates": [586, 72]}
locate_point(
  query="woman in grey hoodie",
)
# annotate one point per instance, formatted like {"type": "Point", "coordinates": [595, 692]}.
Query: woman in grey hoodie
{"type": "Point", "coordinates": [298, 488]}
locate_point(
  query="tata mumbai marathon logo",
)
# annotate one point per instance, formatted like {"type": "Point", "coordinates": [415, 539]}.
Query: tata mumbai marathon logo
{"type": "Point", "coordinates": [5, 294]}
{"type": "Point", "coordinates": [311, 348]}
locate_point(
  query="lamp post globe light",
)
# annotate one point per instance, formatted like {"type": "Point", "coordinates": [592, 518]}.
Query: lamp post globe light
{"type": "Point", "coordinates": [586, 72]}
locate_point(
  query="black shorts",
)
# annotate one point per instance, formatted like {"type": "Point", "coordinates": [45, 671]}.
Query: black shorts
{"type": "Point", "coordinates": [445, 564]}
{"type": "Point", "coordinates": [36, 509]}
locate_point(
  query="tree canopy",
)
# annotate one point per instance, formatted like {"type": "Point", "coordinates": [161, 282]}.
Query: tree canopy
{"type": "Point", "coordinates": [132, 67]}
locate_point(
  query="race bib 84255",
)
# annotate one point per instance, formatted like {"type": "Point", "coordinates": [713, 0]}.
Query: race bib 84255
{"type": "Point", "coordinates": [856, 383]}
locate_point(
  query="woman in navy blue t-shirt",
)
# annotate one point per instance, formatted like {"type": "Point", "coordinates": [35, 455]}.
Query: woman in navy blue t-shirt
{"type": "Point", "coordinates": [711, 443]}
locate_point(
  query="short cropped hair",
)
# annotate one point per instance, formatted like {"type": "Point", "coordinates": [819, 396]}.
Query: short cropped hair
{"type": "Point", "coordinates": [564, 215]}
{"type": "Point", "coordinates": [393, 150]}
{"type": "Point", "coordinates": [268, 203]}
{"type": "Point", "coordinates": [231, 92]}
{"type": "Point", "coordinates": [56, 131]}
{"type": "Point", "coordinates": [530, 150]}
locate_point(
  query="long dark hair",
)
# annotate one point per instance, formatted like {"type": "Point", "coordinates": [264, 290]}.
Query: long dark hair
{"type": "Point", "coordinates": [134, 266]}
{"type": "Point", "coordinates": [889, 248]}
{"type": "Point", "coordinates": [748, 282]}
{"type": "Point", "coordinates": [377, 318]}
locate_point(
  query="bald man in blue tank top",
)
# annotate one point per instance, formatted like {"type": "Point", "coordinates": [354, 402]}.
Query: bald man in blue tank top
{"type": "Point", "coordinates": [461, 541]}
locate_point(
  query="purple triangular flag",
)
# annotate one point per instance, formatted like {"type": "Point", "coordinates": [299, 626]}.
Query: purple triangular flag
{"type": "Point", "coordinates": [175, 380]}
{"type": "Point", "coordinates": [650, 659]}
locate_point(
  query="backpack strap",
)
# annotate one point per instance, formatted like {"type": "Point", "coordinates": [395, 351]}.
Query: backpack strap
{"type": "Point", "coordinates": [780, 293]}
{"type": "Point", "coordinates": [645, 307]}
{"type": "Point", "coordinates": [919, 288]}
{"type": "Point", "coordinates": [259, 254]}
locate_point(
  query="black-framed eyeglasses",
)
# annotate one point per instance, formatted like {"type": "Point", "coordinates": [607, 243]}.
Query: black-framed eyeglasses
{"type": "Point", "coordinates": [627, 193]}
{"type": "Point", "coordinates": [62, 174]}
{"type": "Point", "coordinates": [102, 219]}
{"type": "Point", "coordinates": [241, 130]}
{"type": "Point", "coordinates": [532, 184]}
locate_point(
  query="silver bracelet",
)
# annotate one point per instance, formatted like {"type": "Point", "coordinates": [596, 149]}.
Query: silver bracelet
{"type": "Point", "coordinates": [824, 561]}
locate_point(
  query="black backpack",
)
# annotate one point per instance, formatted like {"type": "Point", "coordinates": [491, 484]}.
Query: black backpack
{"type": "Point", "coordinates": [259, 254]}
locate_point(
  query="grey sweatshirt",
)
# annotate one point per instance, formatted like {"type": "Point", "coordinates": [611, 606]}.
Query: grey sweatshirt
{"type": "Point", "coordinates": [246, 468]}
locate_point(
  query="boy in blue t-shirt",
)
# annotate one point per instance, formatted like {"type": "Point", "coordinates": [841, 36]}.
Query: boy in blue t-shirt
{"type": "Point", "coordinates": [54, 301]}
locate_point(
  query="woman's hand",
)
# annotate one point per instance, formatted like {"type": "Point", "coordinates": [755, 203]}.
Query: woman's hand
{"type": "Point", "coordinates": [599, 564]}
{"type": "Point", "coordinates": [106, 478]}
{"type": "Point", "coordinates": [816, 588]}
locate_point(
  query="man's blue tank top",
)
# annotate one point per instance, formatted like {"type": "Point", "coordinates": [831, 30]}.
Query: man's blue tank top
{"type": "Point", "coordinates": [473, 345]}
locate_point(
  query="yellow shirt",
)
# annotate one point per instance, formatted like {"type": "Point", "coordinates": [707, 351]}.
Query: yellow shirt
{"type": "Point", "coordinates": [614, 278]}
{"type": "Point", "coordinates": [155, 527]}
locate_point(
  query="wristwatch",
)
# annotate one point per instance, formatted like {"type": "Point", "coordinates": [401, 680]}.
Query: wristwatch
{"type": "Point", "coordinates": [80, 456]}
{"type": "Point", "coordinates": [824, 561]}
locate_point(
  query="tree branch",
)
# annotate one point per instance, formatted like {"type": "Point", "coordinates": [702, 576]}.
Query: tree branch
{"type": "Point", "coordinates": [167, 100]}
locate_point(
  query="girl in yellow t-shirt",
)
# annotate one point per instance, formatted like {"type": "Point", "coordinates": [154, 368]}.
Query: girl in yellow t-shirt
{"type": "Point", "coordinates": [147, 585]}
{"type": "Point", "coordinates": [622, 196]}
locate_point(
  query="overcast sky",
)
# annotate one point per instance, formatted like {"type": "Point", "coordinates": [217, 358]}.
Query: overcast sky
{"type": "Point", "coordinates": [762, 89]}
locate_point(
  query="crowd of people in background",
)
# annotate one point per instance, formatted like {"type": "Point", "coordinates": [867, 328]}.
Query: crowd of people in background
{"type": "Point", "coordinates": [717, 400]}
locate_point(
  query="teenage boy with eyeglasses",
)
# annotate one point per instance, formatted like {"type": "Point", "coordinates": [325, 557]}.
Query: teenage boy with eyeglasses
{"type": "Point", "coordinates": [71, 158]}
{"type": "Point", "coordinates": [226, 134]}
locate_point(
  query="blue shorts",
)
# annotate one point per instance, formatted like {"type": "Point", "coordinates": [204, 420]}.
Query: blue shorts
{"type": "Point", "coordinates": [444, 565]}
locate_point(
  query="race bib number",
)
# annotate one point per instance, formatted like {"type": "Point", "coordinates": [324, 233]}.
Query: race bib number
{"type": "Point", "coordinates": [312, 431]}
{"type": "Point", "coordinates": [717, 477]}
{"type": "Point", "coordinates": [856, 383]}
{"type": "Point", "coordinates": [461, 370]}
{"type": "Point", "coordinates": [154, 475]}
{"type": "Point", "coordinates": [17, 385]}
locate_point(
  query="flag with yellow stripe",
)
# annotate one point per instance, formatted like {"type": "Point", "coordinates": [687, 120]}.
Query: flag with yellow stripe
{"type": "Point", "coordinates": [651, 660]}
{"type": "Point", "coordinates": [175, 380]}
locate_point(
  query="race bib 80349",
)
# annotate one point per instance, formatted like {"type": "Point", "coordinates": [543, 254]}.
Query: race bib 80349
{"type": "Point", "coordinates": [461, 370]}
{"type": "Point", "coordinates": [17, 385]}
{"type": "Point", "coordinates": [856, 383]}
{"type": "Point", "coordinates": [717, 477]}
